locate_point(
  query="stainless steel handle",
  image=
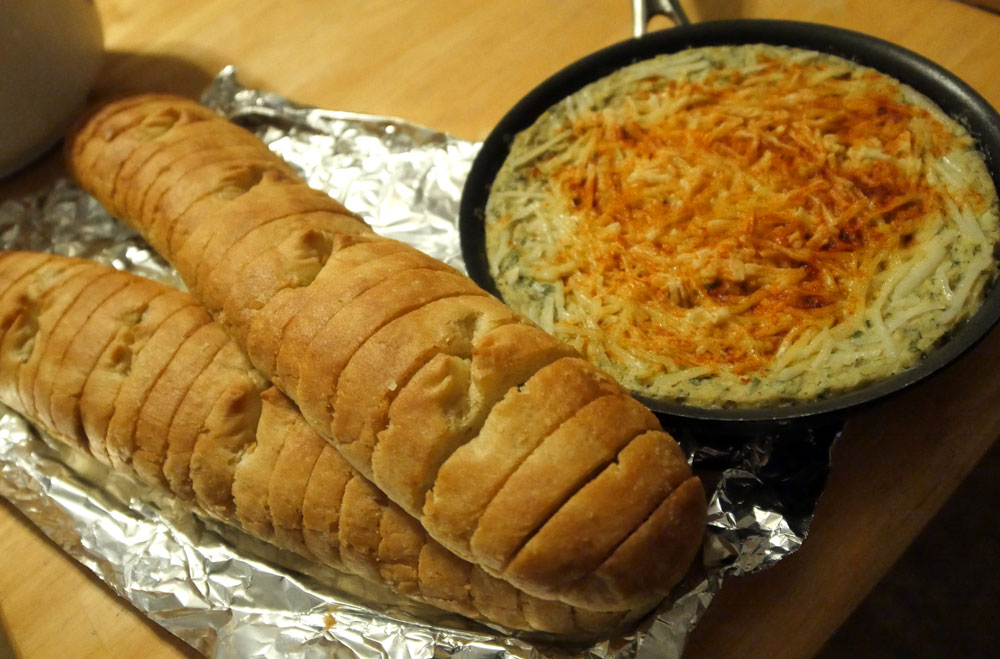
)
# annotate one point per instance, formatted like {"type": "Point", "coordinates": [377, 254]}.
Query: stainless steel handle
{"type": "Point", "coordinates": [644, 10]}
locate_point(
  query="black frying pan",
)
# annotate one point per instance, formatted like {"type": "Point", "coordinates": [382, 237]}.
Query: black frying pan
{"type": "Point", "coordinates": [954, 96]}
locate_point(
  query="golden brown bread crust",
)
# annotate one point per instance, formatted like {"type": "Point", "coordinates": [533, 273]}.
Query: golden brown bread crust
{"type": "Point", "coordinates": [209, 431]}
{"type": "Point", "coordinates": [289, 478]}
{"type": "Point", "coordinates": [151, 444]}
{"type": "Point", "coordinates": [104, 381]}
{"type": "Point", "coordinates": [17, 300]}
{"type": "Point", "coordinates": [48, 383]}
{"type": "Point", "coordinates": [251, 487]}
{"type": "Point", "coordinates": [584, 444]}
{"type": "Point", "coordinates": [361, 344]}
{"type": "Point", "coordinates": [346, 276]}
{"type": "Point", "coordinates": [72, 374]}
{"type": "Point", "coordinates": [145, 368]}
{"type": "Point", "coordinates": [54, 302]}
{"type": "Point", "coordinates": [105, 126]}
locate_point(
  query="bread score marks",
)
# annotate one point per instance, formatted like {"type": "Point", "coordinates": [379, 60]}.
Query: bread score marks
{"type": "Point", "coordinates": [159, 455]}
{"type": "Point", "coordinates": [51, 379]}
{"type": "Point", "coordinates": [744, 225]}
{"type": "Point", "coordinates": [48, 308]}
{"type": "Point", "coordinates": [18, 322]}
{"type": "Point", "coordinates": [247, 456]}
{"type": "Point", "coordinates": [331, 348]}
{"type": "Point", "coordinates": [93, 336]}
{"type": "Point", "coordinates": [432, 358]}
{"type": "Point", "coordinates": [105, 378]}
{"type": "Point", "coordinates": [395, 359]}
{"type": "Point", "coordinates": [446, 402]}
{"type": "Point", "coordinates": [105, 127]}
{"type": "Point", "coordinates": [227, 377]}
{"type": "Point", "coordinates": [304, 314]}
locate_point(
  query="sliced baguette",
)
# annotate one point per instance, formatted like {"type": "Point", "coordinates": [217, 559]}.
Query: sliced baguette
{"type": "Point", "coordinates": [244, 454]}
{"type": "Point", "coordinates": [348, 361]}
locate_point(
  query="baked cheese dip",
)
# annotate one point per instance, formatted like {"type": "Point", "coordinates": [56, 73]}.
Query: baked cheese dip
{"type": "Point", "coordinates": [744, 225]}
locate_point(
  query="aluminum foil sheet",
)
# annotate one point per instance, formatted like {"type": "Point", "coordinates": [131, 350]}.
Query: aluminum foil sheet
{"type": "Point", "coordinates": [228, 595]}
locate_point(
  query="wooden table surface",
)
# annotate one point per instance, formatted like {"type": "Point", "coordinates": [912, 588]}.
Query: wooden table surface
{"type": "Point", "coordinates": [457, 66]}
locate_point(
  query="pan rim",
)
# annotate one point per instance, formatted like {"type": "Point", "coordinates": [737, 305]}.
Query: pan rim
{"type": "Point", "coordinates": [955, 97]}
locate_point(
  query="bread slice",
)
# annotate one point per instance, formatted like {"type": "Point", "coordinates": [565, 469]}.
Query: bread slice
{"type": "Point", "coordinates": [17, 326]}
{"type": "Point", "coordinates": [188, 171]}
{"type": "Point", "coordinates": [127, 160]}
{"type": "Point", "coordinates": [289, 306]}
{"type": "Point", "coordinates": [93, 119]}
{"type": "Point", "coordinates": [156, 158]}
{"type": "Point", "coordinates": [124, 308]}
{"type": "Point", "coordinates": [105, 380]}
{"type": "Point", "coordinates": [227, 434]}
{"type": "Point", "coordinates": [146, 365]}
{"type": "Point", "coordinates": [506, 439]}
{"type": "Point", "coordinates": [252, 479]}
{"type": "Point", "coordinates": [51, 306]}
{"type": "Point", "coordinates": [125, 124]}
{"type": "Point", "coordinates": [583, 444]}
{"type": "Point", "coordinates": [445, 404]}
{"type": "Point", "coordinates": [400, 540]}
{"type": "Point", "coordinates": [358, 528]}
{"type": "Point", "coordinates": [338, 284]}
{"type": "Point", "coordinates": [229, 368]}
{"type": "Point", "coordinates": [627, 476]}
{"type": "Point", "coordinates": [321, 505]}
{"type": "Point", "coordinates": [191, 359]}
{"type": "Point", "coordinates": [391, 357]}
{"type": "Point", "coordinates": [274, 199]}
{"type": "Point", "coordinates": [296, 257]}
{"type": "Point", "coordinates": [326, 355]}
{"type": "Point", "coordinates": [292, 470]}
{"type": "Point", "coordinates": [49, 380]}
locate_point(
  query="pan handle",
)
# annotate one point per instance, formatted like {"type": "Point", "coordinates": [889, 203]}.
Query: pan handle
{"type": "Point", "coordinates": [644, 10]}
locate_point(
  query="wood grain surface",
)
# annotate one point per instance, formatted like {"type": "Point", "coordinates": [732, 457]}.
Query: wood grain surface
{"type": "Point", "coordinates": [457, 66]}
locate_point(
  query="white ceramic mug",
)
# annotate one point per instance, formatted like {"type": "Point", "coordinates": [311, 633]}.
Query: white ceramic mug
{"type": "Point", "coordinates": [50, 53]}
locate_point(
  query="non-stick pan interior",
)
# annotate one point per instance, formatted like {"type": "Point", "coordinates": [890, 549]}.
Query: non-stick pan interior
{"type": "Point", "coordinates": [954, 96]}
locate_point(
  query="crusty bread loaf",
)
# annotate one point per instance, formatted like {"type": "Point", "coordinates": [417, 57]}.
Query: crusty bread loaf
{"type": "Point", "coordinates": [513, 452]}
{"type": "Point", "coordinates": [211, 432]}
